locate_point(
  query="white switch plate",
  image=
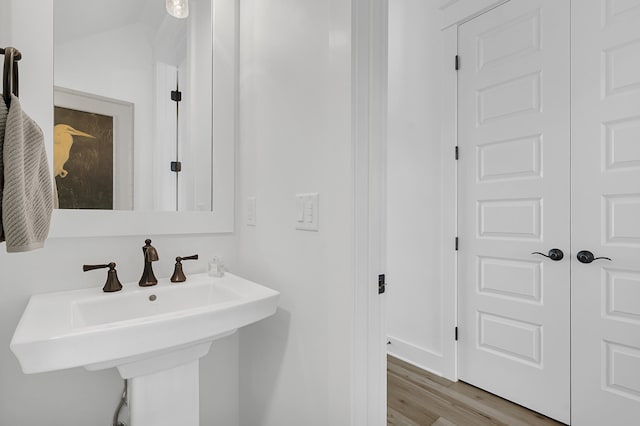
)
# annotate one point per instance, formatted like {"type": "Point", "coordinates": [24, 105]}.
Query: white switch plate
{"type": "Point", "coordinates": [251, 211]}
{"type": "Point", "coordinates": [307, 209]}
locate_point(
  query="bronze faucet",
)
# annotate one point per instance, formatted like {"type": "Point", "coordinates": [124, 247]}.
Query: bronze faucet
{"type": "Point", "coordinates": [178, 274]}
{"type": "Point", "coordinates": [113, 283]}
{"type": "Point", "coordinates": [150, 255]}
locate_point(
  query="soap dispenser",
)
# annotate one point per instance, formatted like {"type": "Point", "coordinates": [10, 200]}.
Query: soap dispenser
{"type": "Point", "coordinates": [216, 267]}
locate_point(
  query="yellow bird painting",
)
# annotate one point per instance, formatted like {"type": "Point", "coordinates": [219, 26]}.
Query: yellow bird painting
{"type": "Point", "coordinates": [62, 141]}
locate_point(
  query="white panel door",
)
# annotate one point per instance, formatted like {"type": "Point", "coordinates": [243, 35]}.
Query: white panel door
{"type": "Point", "coordinates": [605, 163]}
{"type": "Point", "coordinates": [513, 133]}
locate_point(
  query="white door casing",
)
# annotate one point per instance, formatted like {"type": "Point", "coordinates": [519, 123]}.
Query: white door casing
{"type": "Point", "coordinates": [513, 134]}
{"type": "Point", "coordinates": [605, 168]}
{"type": "Point", "coordinates": [369, 108]}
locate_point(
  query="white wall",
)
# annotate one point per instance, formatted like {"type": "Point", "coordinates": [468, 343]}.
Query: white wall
{"type": "Point", "coordinates": [295, 136]}
{"type": "Point", "coordinates": [414, 240]}
{"type": "Point", "coordinates": [79, 397]}
{"type": "Point", "coordinates": [5, 23]}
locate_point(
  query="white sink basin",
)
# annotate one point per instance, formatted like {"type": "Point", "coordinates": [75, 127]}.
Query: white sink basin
{"type": "Point", "coordinates": [135, 304]}
{"type": "Point", "coordinates": [153, 335]}
{"type": "Point", "coordinates": [91, 329]}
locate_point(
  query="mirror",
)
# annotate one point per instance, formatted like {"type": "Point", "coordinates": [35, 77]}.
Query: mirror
{"type": "Point", "coordinates": [133, 106]}
{"type": "Point", "coordinates": [31, 31]}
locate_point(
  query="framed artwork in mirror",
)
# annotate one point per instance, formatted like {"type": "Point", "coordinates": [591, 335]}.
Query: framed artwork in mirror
{"type": "Point", "coordinates": [93, 150]}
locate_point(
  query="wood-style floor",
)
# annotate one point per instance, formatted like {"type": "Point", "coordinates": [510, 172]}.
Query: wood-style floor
{"type": "Point", "coordinates": [416, 397]}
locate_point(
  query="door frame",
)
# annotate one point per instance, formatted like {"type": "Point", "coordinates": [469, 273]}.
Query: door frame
{"type": "Point", "coordinates": [369, 40]}
{"type": "Point", "coordinates": [449, 202]}
{"type": "Point", "coordinates": [449, 199]}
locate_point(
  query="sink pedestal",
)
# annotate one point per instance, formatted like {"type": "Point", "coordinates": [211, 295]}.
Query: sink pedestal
{"type": "Point", "coordinates": [166, 398]}
{"type": "Point", "coordinates": [164, 390]}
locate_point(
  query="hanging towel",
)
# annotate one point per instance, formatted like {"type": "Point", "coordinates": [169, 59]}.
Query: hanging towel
{"type": "Point", "coordinates": [3, 123]}
{"type": "Point", "coordinates": [27, 198]}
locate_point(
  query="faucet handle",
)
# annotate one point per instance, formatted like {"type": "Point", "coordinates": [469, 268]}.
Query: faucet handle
{"type": "Point", "coordinates": [86, 268]}
{"type": "Point", "coordinates": [178, 274]}
{"type": "Point", "coordinates": [192, 257]}
{"type": "Point", "coordinates": [113, 283]}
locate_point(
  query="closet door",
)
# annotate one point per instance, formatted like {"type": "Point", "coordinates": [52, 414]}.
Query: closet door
{"type": "Point", "coordinates": [513, 134]}
{"type": "Point", "coordinates": [606, 212]}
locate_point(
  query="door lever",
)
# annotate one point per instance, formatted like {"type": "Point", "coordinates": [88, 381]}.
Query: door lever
{"type": "Point", "coordinates": [586, 256]}
{"type": "Point", "coordinates": [555, 254]}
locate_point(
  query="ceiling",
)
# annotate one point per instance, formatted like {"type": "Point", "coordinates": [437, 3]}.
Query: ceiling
{"type": "Point", "coordinates": [75, 19]}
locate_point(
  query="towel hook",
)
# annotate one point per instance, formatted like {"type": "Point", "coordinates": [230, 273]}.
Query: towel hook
{"type": "Point", "coordinates": [16, 53]}
{"type": "Point", "coordinates": [10, 82]}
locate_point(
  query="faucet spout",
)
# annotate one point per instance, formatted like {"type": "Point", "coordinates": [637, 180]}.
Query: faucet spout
{"type": "Point", "coordinates": [150, 255]}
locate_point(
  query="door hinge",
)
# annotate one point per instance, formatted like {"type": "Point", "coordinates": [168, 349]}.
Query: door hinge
{"type": "Point", "coordinates": [457, 65]}
{"type": "Point", "coordinates": [176, 95]}
{"type": "Point", "coordinates": [176, 166]}
{"type": "Point", "coordinates": [456, 334]}
{"type": "Point", "coordinates": [457, 153]}
{"type": "Point", "coordinates": [456, 244]}
{"type": "Point", "coordinates": [382, 284]}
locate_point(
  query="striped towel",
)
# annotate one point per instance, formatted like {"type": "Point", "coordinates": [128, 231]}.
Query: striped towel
{"type": "Point", "coordinates": [3, 122]}
{"type": "Point", "coordinates": [27, 198]}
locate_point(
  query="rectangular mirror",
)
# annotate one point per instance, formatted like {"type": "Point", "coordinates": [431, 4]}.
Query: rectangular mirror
{"type": "Point", "coordinates": [133, 106]}
{"type": "Point", "coordinates": [32, 32]}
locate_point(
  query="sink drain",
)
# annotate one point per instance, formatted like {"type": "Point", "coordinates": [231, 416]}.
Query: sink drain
{"type": "Point", "coordinates": [153, 297]}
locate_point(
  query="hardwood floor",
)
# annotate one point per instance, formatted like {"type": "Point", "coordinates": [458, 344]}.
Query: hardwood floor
{"type": "Point", "coordinates": [419, 398]}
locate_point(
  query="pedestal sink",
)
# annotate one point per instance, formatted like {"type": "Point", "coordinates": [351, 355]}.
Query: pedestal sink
{"type": "Point", "coordinates": [154, 336]}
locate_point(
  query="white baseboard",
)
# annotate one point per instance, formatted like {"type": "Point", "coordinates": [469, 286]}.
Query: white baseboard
{"type": "Point", "coordinates": [424, 358]}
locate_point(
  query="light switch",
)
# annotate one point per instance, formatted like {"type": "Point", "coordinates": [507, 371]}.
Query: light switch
{"type": "Point", "coordinates": [251, 211]}
{"type": "Point", "coordinates": [300, 205]}
{"type": "Point", "coordinates": [307, 212]}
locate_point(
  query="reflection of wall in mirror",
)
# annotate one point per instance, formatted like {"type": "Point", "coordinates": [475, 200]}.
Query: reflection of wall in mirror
{"type": "Point", "coordinates": [83, 159]}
